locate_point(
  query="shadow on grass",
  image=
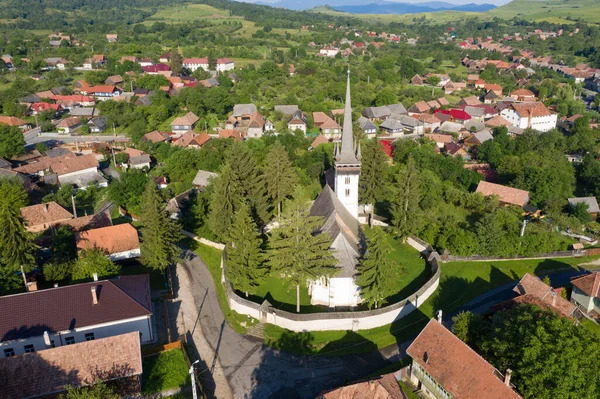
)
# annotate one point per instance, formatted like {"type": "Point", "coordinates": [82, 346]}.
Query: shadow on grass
{"type": "Point", "coordinates": [412, 287]}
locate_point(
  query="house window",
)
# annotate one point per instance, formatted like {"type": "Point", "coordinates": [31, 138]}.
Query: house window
{"type": "Point", "coordinates": [52, 344]}
{"type": "Point", "coordinates": [347, 192]}
{"type": "Point", "coordinates": [347, 180]}
{"type": "Point", "coordinates": [10, 352]}
{"type": "Point", "coordinates": [89, 337]}
{"type": "Point", "coordinates": [29, 348]}
{"type": "Point", "coordinates": [69, 340]}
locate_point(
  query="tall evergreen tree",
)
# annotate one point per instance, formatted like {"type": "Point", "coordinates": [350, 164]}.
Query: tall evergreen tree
{"type": "Point", "coordinates": [250, 181]}
{"type": "Point", "coordinates": [160, 233]}
{"type": "Point", "coordinates": [176, 62]}
{"type": "Point", "coordinates": [297, 250]}
{"type": "Point", "coordinates": [245, 257]}
{"type": "Point", "coordinates": [375, 273]}
{"type": "Point", "coordinates": [16, 244]}
{"type": "Point", "coordinates": [372, 183]}
{"type": "Point", "coordinates": [405, 199]}
{"type": "Point", "coordinates": [225, 198]}
{"type": "Point", "coordinates": [280, 176]}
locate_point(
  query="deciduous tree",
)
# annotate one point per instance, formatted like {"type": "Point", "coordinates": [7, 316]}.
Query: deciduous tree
{"type": "Point", "coordinates": [93, 261]}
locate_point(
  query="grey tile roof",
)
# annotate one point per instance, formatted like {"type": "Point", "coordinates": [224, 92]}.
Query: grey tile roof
{"type": "Point", "coordinates": [397, 108]}
{"type": "Point", "coordinates": [451, 127]}
{"type": "Point", "coordinates": [83, 180]}
{"type": "Point", "coordinates": [341, 226]}
{"type": "Point", "coordinates": [366, 124]}
{"type": "Point", "coordinates": [82, 111]}
{"type": "Point", "coordinates": [377, 112]}
{"type": "Point", "coordinates": [243, 109]}
{"type": "Point", "coordinates": [58, 152]}
{"type": "Point", "coordinates": [483, 136]}
{"type": "Point", "coordinates": [140, 160]}
{"type": "Point", "coordinates": [203, 178]}
{"type": "Point", "coordinates": [591, 202]}
{"type": "Point", "coordinates": [286, 109]}
{"type": "Point", "coordinates": [391, 124]}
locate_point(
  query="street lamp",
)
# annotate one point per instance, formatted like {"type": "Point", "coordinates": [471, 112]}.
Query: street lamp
{"type": "Point", "coordinates": [193, 376]}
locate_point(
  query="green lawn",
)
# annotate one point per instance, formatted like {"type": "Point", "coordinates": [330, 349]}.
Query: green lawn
{"type": "Point", "coordinates": [556, 11]}
{"type": "Point", "coordinates": [164, 371]}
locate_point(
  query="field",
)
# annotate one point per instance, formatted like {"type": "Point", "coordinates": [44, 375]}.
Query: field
{"type": "Point", "coordinates": [189, 12]}
{"type": "Point", "coordinates": [437, 17]}
{"type": "Point", "coordinates": [557, 11]}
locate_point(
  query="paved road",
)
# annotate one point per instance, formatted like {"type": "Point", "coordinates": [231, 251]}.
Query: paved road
{"type": "Point", "coordinates": [254, 370]}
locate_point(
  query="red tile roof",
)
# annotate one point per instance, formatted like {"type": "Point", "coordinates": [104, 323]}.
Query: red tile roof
{"type": "Point", "coordinates": [12, 121]}
{"type": "Point", "coordinates": [51, 370]}
{"type": "Point", "coordinates": [44, 214]}
{"type": "Point", "coordinates": [508, 195]}
{"type": "Point", "coordinates": [318, 141]}
{"type": "Point", "coordinates": [533, 287]}
{"type": "Point", "coordinates": [71, 306]}
{"type": "Point", "coordinates": [74, 164]}
{"type": "Point", "coordinates": [535, 109]}
{"type": "Point", "coordinates": [112, 239]}
{"type": "Point", "coordinates": [383, 387]}
{"type": "Point", "coordinates": [457, 367]}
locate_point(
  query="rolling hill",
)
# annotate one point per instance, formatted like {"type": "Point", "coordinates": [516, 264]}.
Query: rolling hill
{"type": "Point", "coordinates": [558, 11]}
{"type": "Point", "coordinates": [406, 8]}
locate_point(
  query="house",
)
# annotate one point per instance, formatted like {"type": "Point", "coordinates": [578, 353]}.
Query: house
{"type": "Point", "coordinates": [222, 64]}
{"type": "Point", "coordinates": [88, 222]}
{"type": "Point", "coordinates": [456, 150]}
{"type": "Point", "coordinates": [129, 58]}
{"type": "Point", "coordinates": [69, 125]}
{"type": "Point", "coordinates": [493, 87]}
{"type": "Point", "coordinates": [297, 122]}
{"type": "Point", "coordinates": [177, 205]}
{"type": "Point", "coordinates": [74, 101]}
{"type": "Point", "coordinates": [14, 121]}
{"type": "Point", "coordinates": [103, 92]}
{"type": "Point", "coordinates": [506, 195]}
{"type": "Point", "coordinates": [45, 373]}
{"type": "Point", "coordinates": [97, 124]}
{"type": "Point", "coordinates": [391, 126]}
{"type": "Point", "coordinates": [382, 387]}
{"type": "Point", "coordinates": [317, 142]}
{"type": "Point", "coordinates": [112, 37]}
{"type": "Point", "coordinates": [329, 128]}
{"type": "Point", "coordinates": [113, 80]}
{"type": "Point", "coordinates": [367, 126]}
{"type": "Point", "coordinates": [231, 134]}
{"type": "Point", "coordinates": [119, 242]}
{"type": "Point", "coordinates": [445, 367]}
{"type": "Point", "coordinates": [76, 313]}
{"type": "Point", "coordinates": [532, 115]}
{"type": "Point", "coordinates": [257, 125]}
{"type": "Point", "coordinates": [440, 140]}
{"type": "Point", "coordinates": [138, 159]}
{"type": "Point", "coordinates": [531, 289]}
{"type": "Point", "coordinates": [471, 100]}
{"type": "Point", "coordinates": [450, 127]}
{"type": "Point", "coordinates": [430, 122]}
{"type": "Point", "coordinates": [419, 108]}
{"type": "Point", "coordinates": [454, 86]}
{"type": "Point", "coordinates": [4, 164]}
{"type": "Point", "coordinates": [329, 52]}
{"type": "Point", "coordinates": [586, 292]}
{"type": "Point", "coordinates": [456, 115]}
{"type": "Point", "coordinates": [184, 124]}
{"type": "Point", "coordinates": [476, 113]}
{"type": "Point", "coordinates": [56, 63]}
{"type": "Point", "coordinates": [203, 179]}
{"type": "Point", "coordinates": [225, 64]}
{"type": "Point", "coordinates": [286, 110]}
{"type": "Point", "coordinates": [145, 62]}
{"type": "Point", "coordinates": [165, 58]}
{"type": "Point", "coordinates": [44, 216]}
{"type": "Point", "coordinates": [383, 112]}
{"type": "Point", "coordinates": [38, 108]}
{"type": "Point", "coordinates": [410, 125]}
{"type": "Point", "coordinates": [192, 140]}
{"type": "Point", "coordinates": [523, 95]}
{"type": "Point", "coordinates": [79, 171]}
{"type": "Point", "coordinates": [156, 137]}
{"type": "Point", "coordinates": [156, 69]}
{"type": "Point", "coordinates": [591, 202]}
{"type": "Point", "coordinates": [478, 138]}
{"type": "Point", "coordinates": [491, 97]}
{"type": "Point", "coordinates": [417, 80]}
{"type": "Point", "coordinates": [497, 121]}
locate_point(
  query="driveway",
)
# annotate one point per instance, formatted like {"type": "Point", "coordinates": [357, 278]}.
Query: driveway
{"type": "Point", "coordinates": [251, 369]}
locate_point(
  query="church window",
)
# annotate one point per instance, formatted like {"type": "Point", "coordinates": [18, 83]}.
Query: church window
{"type": "Point", "coordinates": [347, 179]}
{"type": "Point", "coordinates": [347, 192]}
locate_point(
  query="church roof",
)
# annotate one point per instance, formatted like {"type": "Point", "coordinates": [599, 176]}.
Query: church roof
{"type": "Point", "coordinates": [338, 221]}
{"type": "Point", "coordinates": [347, 155]}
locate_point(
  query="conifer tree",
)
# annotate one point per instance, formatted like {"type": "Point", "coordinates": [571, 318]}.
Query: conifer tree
{"type": "Point", "coordinates": [16, 244]}
{"type": "Point", "coordinates": [245, 257]}
{"type": "Point", "coordinates": [372, 183]}
{"type": "Point", "coordinates": [405, 199]}
{"type": "Point", "coordinates": [280, 176]}
{"type": "Point", "coordinates": [226, 195]}
{"type": "Point", "coordinates": [160, 233]}
{"type": "Point", "coordinates": [250, 181]}
{"type": "Point", "coordinates": [297, 250]}
{"type": "Point", "coordinates": [375, 273]}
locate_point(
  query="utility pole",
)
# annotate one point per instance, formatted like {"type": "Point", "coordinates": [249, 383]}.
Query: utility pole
{"type": "Point", "coordinates": [113, 154]}
{"type": "Point", "coordinates": [193, 377]}
{"type": "Point", "coordinates": [73, 203]}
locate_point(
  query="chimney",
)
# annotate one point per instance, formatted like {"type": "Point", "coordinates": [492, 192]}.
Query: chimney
{"type": "Point", "coordinates": [94, 295]}
{"type": "Point", "coordinates": [554, 297]}
{"type": "Point", "coordinates": [507, 377]}
{"type": "Point", "coordinates": [31, 286]}
{"type": "Point", "coordinates": [95, 276]}
{"type": "Point", "coordinates": [439, 316]}
{"type": "Point", "coordinates": [47, 341]}
{"type": "Point", "coordinates": [46, 207]}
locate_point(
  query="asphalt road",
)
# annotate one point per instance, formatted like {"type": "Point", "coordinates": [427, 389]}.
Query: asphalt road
{"type": "Point", "coordinates": [255, 370]}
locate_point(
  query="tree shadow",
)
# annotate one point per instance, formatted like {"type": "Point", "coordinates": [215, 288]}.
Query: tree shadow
{"type": "Point", "coordinates": [309, 375]}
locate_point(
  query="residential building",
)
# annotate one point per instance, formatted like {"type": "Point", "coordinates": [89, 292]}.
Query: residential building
{"type": "Point", "coordinates": [440, 140]}
{"type": "Point", "coordinates": [184, 124]}
{"type": "Point", "coordinates": [14, 121]}
{"type": "Point", "coordinates": [69, 125]}
{"type": "Point", "coordinates": [46, 373]}
{"type": "Point", "coordinates": [156, 137]}
{"type": "Point", "coordinates": [591, 202]}
{"type": "Point", "coordinates": [38, 108]}
{"type": "Point", "coordinates": [532, 115]}
{"type": "Point", "coordinates": [329, 128]}
{"type": "Point", "coordinates": [329, 52]}
{"type": "Point", "coordinates": [368, 127]}
{"type": "Point", "coordinates": [222, 64]}
{"type": "Point", "coordinates": [430, 122]}
{"type": "Point", "coordinates": [114, 80]}
{"type": "Point", "coordinates": [192, 140]}
{"type": "Point", "coordinates": [472, 100]}
{"type": "Point", "coordinates": [119, 242]}
{"type": "Point", "coordinates": [44, 216]}
{"type": "Point", "coordinates": [203, 179]}
{"type": "Point", "coordinates": [76, 313]}
{"type": "Point", "coordinates": [444, 367]}
{"type": "Point", "coordinates": [532, 290]}
{"type": "Point", "coordinates": [297, 122]}
{"type": "Point", "coordinates": [417, 80]}
{"type": "Point", "coordinates": [586, 292]}
{"type": "Point", "coordinates": [339, 210]}
{"type": "Point", "coordinates": [286, 110]}
{"type": "Point", "coordinates": [383, 112]}
{"type": "Point", "coordinates": [138, 159]}
{"type": "Point", "coordinates": [103, 92]}
{"type": "Point", "coordinates": [97, 124]}
{"type": "Point", "coordinates": [523, 95]}
{"type": "Point", "coordinates": [506, 195]}
{"type": "Point", "coordinates": [112, 37]}
{"type": "Point", "coordinates": [382, 387]}
{"type": "Point", "coordinates": [79, 171]}
{"type": "Point", "coordinates": [419, 108]}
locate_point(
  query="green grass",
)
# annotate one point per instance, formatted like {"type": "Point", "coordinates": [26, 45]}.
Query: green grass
{"type": "Point", "coordinates": [408, 391]}
{"type": "Point", "coordinates": [134, 266]}
{"type": "Point", "coordinates": [556, 11]}
{"type": "Point", "coordinates": [188, 12]}
{"type": "Point", "coordinates": [212, 259]}
{"type": "Point", "coordinates": [434, 17]}
{"type": "Point", "coordinates": [164, 371]}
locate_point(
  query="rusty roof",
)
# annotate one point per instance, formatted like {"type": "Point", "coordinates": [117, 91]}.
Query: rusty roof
{"type": "Point", "coordinates": [588, 284]}
{"type": "Point", "coordinates": [383, 387]}
{"type": "Point", "coordinates": [456, 367]}
{"type": "Point", "coordinates": [44, 214]}
{"type": "Point", "coordinates": [51, 370]}
{"type": "Point", "coordinates": [74, 164]}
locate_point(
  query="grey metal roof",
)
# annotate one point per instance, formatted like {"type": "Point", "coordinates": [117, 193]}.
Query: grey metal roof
{"type": "Point", "coordinates": [474, 111]}
{"type": "Point", "coordinates": [83, 180]}
{"type": "Point", "coordinates": [286, 109]}
{"type": "Point", "coordinates": [99, 122]}
{"type": "Point", "coordinates": [483, 136]}
{"type": "Point", "coordinates": [243, 109]}
{"type": "Point", "coordinates": [82, 111]}
{"type": "Point", "coordinates": [451, 127]}
{"type": "Point", "coordinates": [591, 202]}
{"type": "Point", "coordinates": [409, 121]}
{"type": "Point", "coordinates": [4, 164]}
{"type": "Point", "coordinates": [341, 226]}
{"type": "Point", "coordinates": [203, 178]}
{"type": "Point", "coordinates": [140, 160]}
{"type": "Point", "coordinates": [476, 124]}
{"type": "Point", "coordinates": [397, 108]}
{"type": "Point", "coordinates": [366, 124]}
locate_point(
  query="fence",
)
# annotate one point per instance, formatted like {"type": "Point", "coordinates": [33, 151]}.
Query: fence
{"type": "Point", "coordinates": [326, 321]}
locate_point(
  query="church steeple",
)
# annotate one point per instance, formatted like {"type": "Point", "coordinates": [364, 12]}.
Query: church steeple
{"type": "Point", "coordinates": [348, 152]}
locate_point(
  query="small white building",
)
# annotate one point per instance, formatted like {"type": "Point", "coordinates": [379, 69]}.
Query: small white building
{"type": "Point", "coordinates": [225, 64]}
{"type": "Point", "coordinates": [55, 317]}
{"type": "Point", "coordinates": [329, 52]}
{"type": "Point", "coordinates": [222, 64]}
{"type": "Point", "coordinates": [534, 115]}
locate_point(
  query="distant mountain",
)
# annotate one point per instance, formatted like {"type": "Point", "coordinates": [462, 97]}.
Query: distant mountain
{"type": "Point", "coordinates": [406, 8]}
{"type": "Point", "coordinates": [343, 4]}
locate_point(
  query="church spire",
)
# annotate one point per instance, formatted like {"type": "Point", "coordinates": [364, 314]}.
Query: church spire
{"type": "Point", "coordinates": [348, 153]}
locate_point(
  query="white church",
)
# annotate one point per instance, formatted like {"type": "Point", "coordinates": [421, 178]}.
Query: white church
{"type": "Point", "coordinates": [339, 207]}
